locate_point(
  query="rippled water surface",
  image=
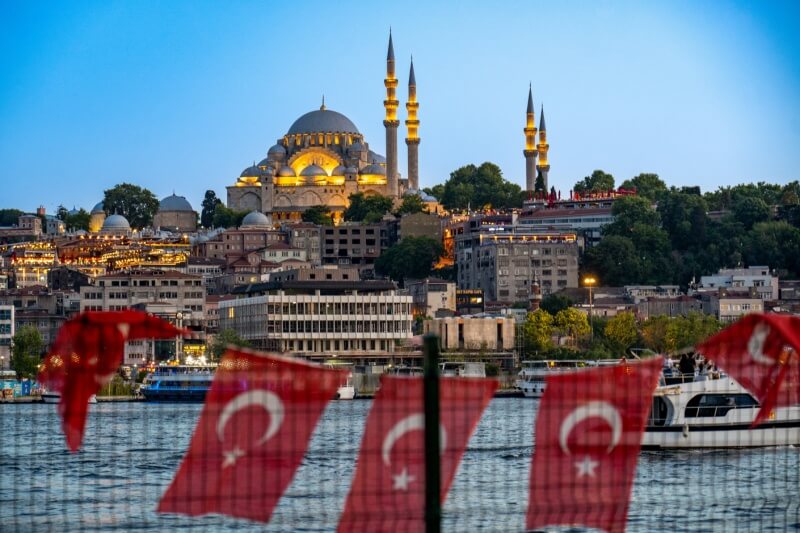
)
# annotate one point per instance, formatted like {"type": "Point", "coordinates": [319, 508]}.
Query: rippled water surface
{"type": "Point", "coordinates": [131, 452]}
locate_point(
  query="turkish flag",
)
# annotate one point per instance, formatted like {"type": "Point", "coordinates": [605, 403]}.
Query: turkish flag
{"type": "Point", "coordinates": [760, 352]}
{"type": "Point", "coordinates": [87, 353]}
{"type": "Point", "coordinates": [388, 492]}
{"type": "Point", "coordinates": [251, 436]}
{"type": "Point", "coordinates": [588, 435]}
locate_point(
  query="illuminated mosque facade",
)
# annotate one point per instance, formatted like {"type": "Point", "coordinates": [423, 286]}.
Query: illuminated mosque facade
{"type": "Point", "coordinates": [323, 158]}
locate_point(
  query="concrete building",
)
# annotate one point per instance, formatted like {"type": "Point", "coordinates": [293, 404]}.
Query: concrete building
{"type": "Point", "coordinates": [473, 333]}
{"type": "Point", "coordinates": [45, 323]}
{"type": "Point", "coordinates": [431, 295]}
{"type": "Point", "coordinates": [358, 321]}
{"type": "Point", "coordinates": [305, 236]}
{"type": "Point", "coordinates": [671, 307]}
{"type": "Point", "coordinates": [356, 243]}
{"type": "Point", "coordinates": [420, 225]}
{"type": "Point", "coordinates": [766, 285]}
{"type": "Point", "coordinates": [728, 305]}
{"type": "Point", "coordinates": [323, 274]}
{"type": "Point", "coordinates": [7, 331]}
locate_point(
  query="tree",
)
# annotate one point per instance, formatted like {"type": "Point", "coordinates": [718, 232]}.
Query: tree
{"type": "Point", "coordinates": [573, 323]}
{"type": "Point", "coordinates": [361, 206]}
{"type": "Point", "coordinates": [654, 333]}
{"type": "Point", "coordinates": [775, 244]}
{"type": "Point", "coordinates": [616, 259]}
{"type": "Point", "coordinates": [478, 187]}
{"type": "Point", "coordinates": [630, 210]}
{"type": "Point", "coordinates": [598, 181]}
{"type": "Point", "coordinates": [620, 332]}
{"type": "Point", "coordinates": [684, 217]}
{"type": "Point", "coordinates": [319, 215]}
{"type": "Point", "coordinates": [227, 218]}
{"type": "Point", "coordinates": [648, 186]}
{"type": "Point", "coordinates": [411, 258]}
{"type": "Point", "coordinates": [27, 351]}
{"type": "Point", "coordinates": [554, 302]}
{"type": "Point", "coordinates": [210, 203]}
{"type": "Point", "coordinates": [78, 221]}
{"type": "Point", "coordinates": [690, 330]}
{"type": "Point", "coordinates": [226, 338]}
{"type": "Point", "coordinates": [537, 332]}
{"type": "Point", "coordinates": [412, 203]}
{"type": "Point", "coordinates": [436, 191]}
{"type": "Point", "coordinates": [750, 211]}
{"type": "Point", "coordinates": [135, 203]}
{"type": "Point", "coordinates": [10, 217]}
{"type": "Point", "coordinates": [538, 185]}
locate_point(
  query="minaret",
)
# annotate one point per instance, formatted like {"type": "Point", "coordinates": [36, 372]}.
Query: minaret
{"type": "Point", "coordinates": [412, 125]}
{"type": "Point", "coordinates": [390, 121]}
{"type": "Point", "coordinates": [543, 166]}
{"type": "Point", "coordinates": [530, 145]}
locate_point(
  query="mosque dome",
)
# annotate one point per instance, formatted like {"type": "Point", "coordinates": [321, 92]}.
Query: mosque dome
{"type": "Point", "coordinates": [339, 171]}
{"type": "Point", "coordinates": [356, 148]}
{"type": "Point", "coordinates": [376, 157]}
{"type": "Point", "coordinates": [286, 172]}
{"type": "Point", "coordinates": [373, 169]}
{"type": "Point", "coordinates": [322, 121]}
{"type": "Point", "coordinates": [116, 223]}
{"type": "Point", "coordinates": [73, 212]}
{"type": "Point", "coordinates": [175, 203]}
{"type": "Point", "coordinates": [313, 170]}
{"type": "Point", "coordinates": [264, 163]}
{"type": "Point", "coordinates": [351, 170]}
{"type": "Point", "coordinates": [98, 208]}
{"type": "Point", "coordinates": [250, 172]}
{"type": "Point", "coordinates": [276, 152]}
{"type": "Point", "coordinates": [254, 219]}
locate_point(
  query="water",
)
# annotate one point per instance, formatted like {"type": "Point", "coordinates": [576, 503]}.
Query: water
{"type": "Point", "coordinates": [131, 452]}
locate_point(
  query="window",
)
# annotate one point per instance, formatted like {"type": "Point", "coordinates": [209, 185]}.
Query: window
{"type": "Point", "coordinates": [718, 404]}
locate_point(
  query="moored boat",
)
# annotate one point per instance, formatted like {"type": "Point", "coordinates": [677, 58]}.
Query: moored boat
{"type": "Point", "coordinates": [531, 379]}
{"type": "Point", "coordinates": [55, 397]}
{"type": "Point", "coordinates": [462, 369]}
{"type": "Point", "coordinates": [181, 383]}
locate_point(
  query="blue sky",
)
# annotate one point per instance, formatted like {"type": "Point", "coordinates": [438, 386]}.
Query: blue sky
{"type": "Point", "coordinates": [179, 95]}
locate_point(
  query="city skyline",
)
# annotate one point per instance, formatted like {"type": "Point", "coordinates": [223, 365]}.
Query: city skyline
{"type": "Point", "coordinates": [181, 97]}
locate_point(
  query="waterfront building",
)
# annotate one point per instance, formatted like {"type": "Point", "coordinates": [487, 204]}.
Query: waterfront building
{"type": "Point", "coordinates": [473, 333]}
{"type": "Point", "coordinates": [7, 332]}
{"type": "Point", "coordinates": [358, 321]}
{"type": "Point", "coordinates": [430, 295]}
{"type": "Point", "coordinates": [175, 214]}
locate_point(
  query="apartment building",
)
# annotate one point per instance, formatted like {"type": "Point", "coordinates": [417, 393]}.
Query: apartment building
{"type": "Point", "coordinates": [124, 290]}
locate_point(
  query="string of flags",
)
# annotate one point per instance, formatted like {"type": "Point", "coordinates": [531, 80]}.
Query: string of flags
{"type": "Point", "coordinates": [261, 410]}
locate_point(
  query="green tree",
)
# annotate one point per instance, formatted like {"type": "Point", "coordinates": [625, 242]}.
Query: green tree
{"type": "Point", "coordinates": [225, 339]}
{"type": "Point", "coordinates": [649, 186]}
{"type": "Point", "coordinates": [598, 181]}
{"type": "Point", "coordinates": [210, 203]}
{"type": "Point", "coordinates": [478, 187]}
{"type": "Point", "coordinates": [135, 203]}
{"type": "Point", "coordinates": [363, 207]}
{"type": "Point", "coordinates": [616, 259]}
{"type": "Point", "coordinates": [225, 217]}
{"type": "Point", "coordinates": [319, 215]}
{"type": "Point", "coordinates": [554, 302]}
{"type": "Point", "coordinates": [27, 351]}
{"type": "Point", "coordinates": [627, 212]}
{"type": "Point", "coordinates": [690, 330]}
{"type": "Point", "coordinates": [412, 203]}
{"type": "Point", "coordinates": [750, 211]}
{"type": "Point", "coordinates": [436, 191]}
{"type": "Point", "coordinates": [411, 258]}
{"type": "Point", "coordinates": [537, 332]}
{"type": "Point", "coordinates": [10, 217]}
{"type": "Point", "coordinates": [684, 217]}
{"type": "Point", "coordinates": [78, 221]}
{"type": "Point", "coordinates": [572, 322]}
{"type": "Point", "coordinates": [620, 332]}
{"type": "Point", "coordinates": [654, 333]}
{"type": "Point", "coordinates": [775, 244]}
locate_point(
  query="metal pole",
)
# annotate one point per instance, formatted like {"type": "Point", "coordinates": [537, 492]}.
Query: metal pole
{"type": "Point", "coordinates": [433, 508]}
{"type": "Point", "coordinates": [591, 325]}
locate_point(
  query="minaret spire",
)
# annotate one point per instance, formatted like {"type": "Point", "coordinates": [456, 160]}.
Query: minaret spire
{"type": "Point", "coordinates": [390, 120]}
{"type": "Point", "coordinates": [322, 107]}
{"type": "Point", "coordinates": [544, 166]}
{"type": "Point", "coordinates": [412, 125]}
{"type": "Point", "coordinates": [530, 144]}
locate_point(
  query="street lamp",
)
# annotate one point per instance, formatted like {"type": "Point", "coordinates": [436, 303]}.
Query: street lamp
{"type": "Point", "coordinates": [589, 281]}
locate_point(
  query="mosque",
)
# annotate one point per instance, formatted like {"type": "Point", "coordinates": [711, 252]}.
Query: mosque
{"type": "Point", "coordinates": [323, 158]}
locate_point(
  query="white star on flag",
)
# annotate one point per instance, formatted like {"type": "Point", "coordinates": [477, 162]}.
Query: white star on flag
{"type": "Point", "coordinates": [586, 467]}
{"type": "Point", "coordinates": [232, 456]}
{"type": "Point", "coordinates": [401, 481]}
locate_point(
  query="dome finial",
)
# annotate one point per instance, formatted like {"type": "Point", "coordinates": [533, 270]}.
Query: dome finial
{"type": "Point", "coordinates": [322, 107]}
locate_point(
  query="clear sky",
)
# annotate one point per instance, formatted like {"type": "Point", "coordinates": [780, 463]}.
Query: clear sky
{"type": "Point", "coordinates": [183, 95]}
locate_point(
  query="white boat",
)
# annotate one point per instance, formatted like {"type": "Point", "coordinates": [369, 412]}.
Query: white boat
{"type": "Point", "coordinates": [55, 397]}
{"type": "Point", "coordinates": [402, 370]}
{"type": "Point", "coordinates": [346, 389]}
{"type": "Point", "coordinates": [531, 379]}
{"type": "Point", "coordinates": [180, 383]}
{"type": "Point", "coordinates": [715, 413]}
{"type": "Point", "coordinates": [462, 369]}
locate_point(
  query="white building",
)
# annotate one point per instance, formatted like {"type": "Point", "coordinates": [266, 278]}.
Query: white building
{"type": "Point", "coordinates": [743, 278]}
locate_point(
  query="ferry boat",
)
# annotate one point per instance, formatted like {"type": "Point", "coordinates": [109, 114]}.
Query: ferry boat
{"type": "Point", "coordinates": [715, 413]}
{"type": "Point", "coordinates": [531, 379]}
{"type": "Point", "coordinates": [180, 383]}
{"type": "Point", "coordinates": [462, 369]}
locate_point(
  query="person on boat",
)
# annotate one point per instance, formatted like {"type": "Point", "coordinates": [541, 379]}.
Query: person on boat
{"type": "Point", "coordinates": [686, 366]}
{"type": "Point", "coordinates": [702, 373]}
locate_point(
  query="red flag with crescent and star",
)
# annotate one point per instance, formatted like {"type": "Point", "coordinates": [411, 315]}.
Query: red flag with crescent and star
{"type": "Point", "coordinates": [388, 491]}
{"type": "Point", "coordinates": [760, 352]}
{"type": "Point", "coordinates": [87, 353]}
{"type": "Point", "coordinates": [588, 436]}
{"type": "Point", "coordinates": [252, 434]}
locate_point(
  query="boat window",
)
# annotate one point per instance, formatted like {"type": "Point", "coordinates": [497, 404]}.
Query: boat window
{"type": "Point", "coordinates": [658, 412]}
{"type": "Point", "coordinates": [718, 404]}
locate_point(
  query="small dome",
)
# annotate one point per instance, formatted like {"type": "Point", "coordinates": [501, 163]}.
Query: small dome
{"type": "Point", "coordinates": [73, 212]}
{"type": "Point", "coordinates": [351, 170]}
{"type": "Point", "coordinates": [175, 203]}
{"type": "Point", "coordinates": [116, 223]}
{"type": "Point", "coordinates": [373, 169]}
{"type": "Point", "coordinates": [286, 172]}
{"type": "Point", "coordinates": [313, 170]}
{"type": "Point", "coordinates": [376, 157]}
{"type": "Point", "coordinates": [98, 208]}
{"type": "Point", "coordinates": [276, 151]}
{"type": "Point", "coordinates": [264, 163]}
{"type": "Point", "coordinates": [255, 219]}
{"type": "Point", "coordinates": [322, 121]}
{"type": "Point", "coordinates": [250, 172]}
{"type": "Point", "coordinates": [339, 171]}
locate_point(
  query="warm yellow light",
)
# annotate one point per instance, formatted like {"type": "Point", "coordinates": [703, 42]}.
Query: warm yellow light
{"type": "Point", "coordinates": [589, 281]}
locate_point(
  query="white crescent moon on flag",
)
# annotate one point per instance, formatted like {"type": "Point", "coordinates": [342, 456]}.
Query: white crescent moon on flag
{"type": "Point", "coordinates": [124, 328]}
{"type": "Point", "coordinates": [409, 423]}
{"type": "Point", "coordinates": [603, 410]}
{"type": "Point", "coordinates": [755, 346]}
{"type": "Point", "coordinates": [261, 398]}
